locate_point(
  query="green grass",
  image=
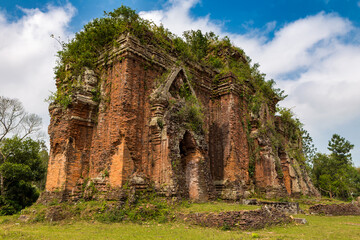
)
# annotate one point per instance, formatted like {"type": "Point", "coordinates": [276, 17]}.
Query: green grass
{"type": "Point", "coordinates": [215, 207]}
{"type": "Point", "coordinates": [306, 203]}
{"type": "Point", "coordinates": [318, 227]}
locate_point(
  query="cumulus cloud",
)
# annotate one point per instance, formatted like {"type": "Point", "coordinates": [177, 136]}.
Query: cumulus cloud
{"type": "Point", "coordinates": [314, 59]}
{"type": "Point", "coordinates": [310, 59]}
{"type": "Point", "coordinates": [28, 55]}
{"type": "Point", "coordinates": [319, 74]}
{"type": "Point", "coordinates": [177, 18]}
{"type": "Point", "coordinates": [299, 44]}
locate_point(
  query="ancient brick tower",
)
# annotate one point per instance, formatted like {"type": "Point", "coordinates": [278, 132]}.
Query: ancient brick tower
{"type": "Point", "coordinates": [167, 124]}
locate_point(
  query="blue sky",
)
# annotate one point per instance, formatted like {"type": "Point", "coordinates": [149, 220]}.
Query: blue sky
{"type": "Point", "coordinates": [310, 47]}
{"type": "Point", "coordinates": [236, 15]}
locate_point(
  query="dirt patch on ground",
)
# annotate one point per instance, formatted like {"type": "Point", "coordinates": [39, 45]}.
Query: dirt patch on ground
{"type": "Point", "coordinates": [255, 219]}
{"type": "Point", "coordinates": [336, 209]}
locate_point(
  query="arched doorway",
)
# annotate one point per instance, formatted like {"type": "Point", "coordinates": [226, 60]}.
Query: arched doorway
{"type": "Point", "coordinates": [190, 157]}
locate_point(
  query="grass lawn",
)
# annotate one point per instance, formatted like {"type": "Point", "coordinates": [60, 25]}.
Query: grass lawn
{"type": "Point", "coordinates": [318, 227]}
{"type": "Point", "coordinates": [217, 206]}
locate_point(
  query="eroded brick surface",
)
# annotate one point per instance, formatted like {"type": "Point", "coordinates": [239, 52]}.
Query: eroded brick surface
{"type": "Point", "coordinates": [134, 130]}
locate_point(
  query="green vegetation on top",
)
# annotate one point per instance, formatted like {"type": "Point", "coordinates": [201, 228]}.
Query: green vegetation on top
{"type": "Point", "coordinates": [98, 35]}
{"type": "Point", "coordinates": [291, 125]}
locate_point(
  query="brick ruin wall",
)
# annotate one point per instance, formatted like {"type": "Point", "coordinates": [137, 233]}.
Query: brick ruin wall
{"type": "Point", "coordinates": [133, 135]}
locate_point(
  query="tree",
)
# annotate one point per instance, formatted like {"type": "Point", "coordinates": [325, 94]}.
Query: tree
{"type": "Point", "coordinates": [14, 119]}
{"type": "Point", "coordinates": [308, 146]}
{"type": "Point", "coordinates": [16, 166]}
{"type": "Point", "coordinates": [340, 150]}
{"type": "Point", "coordinates": [22, 166]}
{"type": "Point", "coordinates": [199, 42]}
{"type": "Point", "coordinates": [334, 173]}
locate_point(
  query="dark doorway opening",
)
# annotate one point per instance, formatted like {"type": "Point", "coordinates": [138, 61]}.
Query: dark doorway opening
{"type": "Point", "coordinates": [190, 167]}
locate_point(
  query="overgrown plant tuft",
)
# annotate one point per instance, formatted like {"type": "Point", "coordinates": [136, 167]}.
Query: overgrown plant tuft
{"type": "Point", "coordinates": [101, 34]}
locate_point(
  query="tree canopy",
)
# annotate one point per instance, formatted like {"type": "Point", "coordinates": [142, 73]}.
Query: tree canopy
{"type": "Point", "coordinates": [334, 174]}
{"type": "Point", "coordinates": [23, 161]}
{"type": "Point", "coordinates": [340, 150]}
{"type": "Point", "coordinates": [22, 164]}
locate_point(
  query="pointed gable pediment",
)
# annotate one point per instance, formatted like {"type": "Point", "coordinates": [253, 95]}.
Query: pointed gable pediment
{"type": "Point", "coordinates": [173, 85]}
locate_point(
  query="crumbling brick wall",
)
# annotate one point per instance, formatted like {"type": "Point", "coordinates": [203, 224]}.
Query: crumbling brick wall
{"type": "Point", "coordinates": [134, 131]}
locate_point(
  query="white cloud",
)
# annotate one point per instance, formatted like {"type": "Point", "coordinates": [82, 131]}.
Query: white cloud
{"type": "Point", "coordinates": [176, 17]}
{"type": "Point", "coordinates": [27, 55]}
{"type": "Point", "coordinates": [310, 58]}
{"type": "Point", "coordinates": [296, 45]}
{"type": "Point", "coordinates": [358, 3]}
{"type": "Point", "coordinates": [324, 92]}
